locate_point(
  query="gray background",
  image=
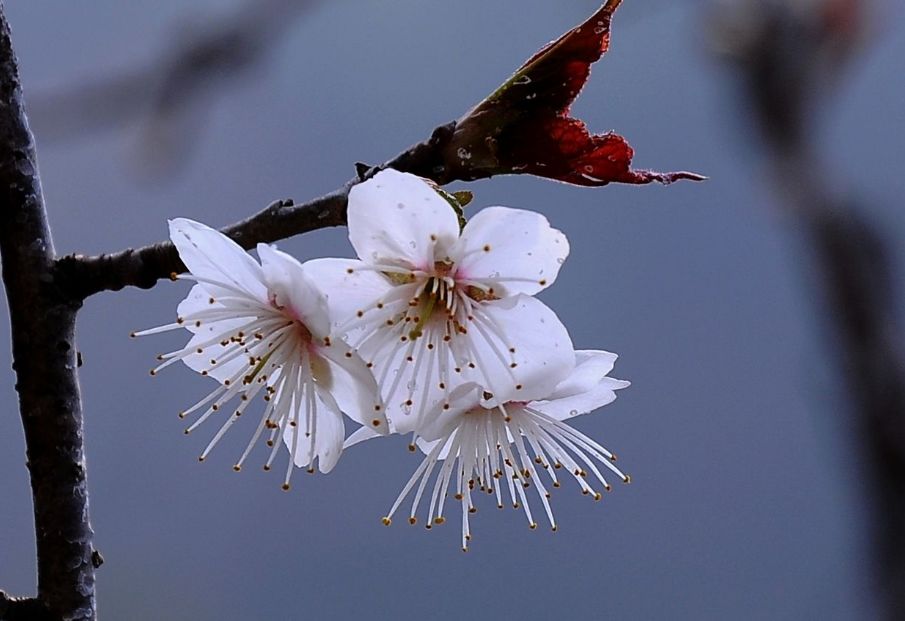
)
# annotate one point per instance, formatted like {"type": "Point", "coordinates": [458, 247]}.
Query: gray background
{"type": "Point", "coordinates": [747, 500]}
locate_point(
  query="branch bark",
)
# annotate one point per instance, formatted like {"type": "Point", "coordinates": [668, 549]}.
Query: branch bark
{"type": "Point", "coordinates": [42, 320]}
{"type": "Point", "coordinates": [83, 276]}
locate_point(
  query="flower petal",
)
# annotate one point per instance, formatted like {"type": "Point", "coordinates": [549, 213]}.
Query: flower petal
{"type": "Point", "coordinates": [353, 386]}
{"type": "Point", "coordinates": [205, 359]}
{"type": "Point", "coordinates": [398, 219]}
{"type": "Point", "coordinates": [289, 286]}
{"type": "Point", "coordinates": [361, 434]}
{"type": "Point", "coordinates": [590, 366]}
{"type": "Point", "coordinates": [214, 257]}
{"type": "Point", "coordinates": [439, 422]}
{"type": "Point", "coordinates": [328, 437]}
{"type": "Point", "coordinates": [348, 285]}
{"type": "Point", "coordinates": [585, 389]}
{"type": "Point", "coordinates": [543, 354]}
{"type": "Point", "coordinates": [512, 250]}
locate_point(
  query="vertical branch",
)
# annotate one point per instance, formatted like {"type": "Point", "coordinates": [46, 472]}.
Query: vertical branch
{"type": "Point", "coordinates": [787, 56]}
{"type": "Point", "coordinates": [44, 358]}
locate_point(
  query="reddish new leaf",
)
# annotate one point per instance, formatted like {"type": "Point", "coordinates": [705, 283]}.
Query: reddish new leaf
{"type": "Point", "coordinates": [524, 126]}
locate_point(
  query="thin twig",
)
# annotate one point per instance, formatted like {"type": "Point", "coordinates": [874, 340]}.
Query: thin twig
{"type": "Point", "coordinates": [142, 267]}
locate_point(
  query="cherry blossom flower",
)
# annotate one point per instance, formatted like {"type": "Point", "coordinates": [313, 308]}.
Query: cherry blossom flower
{"type": "Point", "coordinates": [432, 307]}
{"type": "Point", "coordinates": [515, 446]}
{"type": "Point", "coordinates": [263, 329]}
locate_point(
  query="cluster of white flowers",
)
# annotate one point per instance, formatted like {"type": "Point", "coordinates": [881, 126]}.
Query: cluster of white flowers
{"type": "Point", "coordinates": [433, 332]}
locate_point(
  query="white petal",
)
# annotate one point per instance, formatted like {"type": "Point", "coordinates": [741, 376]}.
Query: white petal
{"type": "Point", "coordinates": [439, 421]}
{"type": "Point", "coordinates": [201, 361]}
{"type": "Point", "coordinates": [513, 250]}
{"type": "Point", "coordinates": [212, 256]}
{"type": "Point", "coordinates": [397, 218]}
{"type": "Point", "coordinates": [347, 292]}
{"type": "Point", "coordinates": [352, 385]}
{"type": "Point", "coordinates": [590, 367]}
{"type": "Point", "coordinates": [360, 435]}
{"type": "Point", "coordinates": [289, 286]}
{"type": "Point", "coordinates": [586, 389]}
{"type": "Point", "coordinates": [597, 397]}
{"type": "Point", "coordinates": [328, 438]}
{"type": "Point", "coordinates": [543, 350]}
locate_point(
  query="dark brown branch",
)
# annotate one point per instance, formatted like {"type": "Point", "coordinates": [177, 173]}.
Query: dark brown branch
{"type": "Point", "coordinates": [22, 609]}
{"type": "Point", "coordinates": [143, 267]}
{"type": "Point", "coordinates": [43, 325]}
{"type": "Point", "coordinates": [786, 58]}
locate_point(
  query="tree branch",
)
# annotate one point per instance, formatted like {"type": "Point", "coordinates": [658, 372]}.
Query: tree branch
{"type": "Point", "coordinates": [785, 55]}
{"type": "Point", "coordinates": [142, 267]}
{"type": "Point", "coordinates": [22, 609]}
{"type": "Point", "coordinates": [42, 322]}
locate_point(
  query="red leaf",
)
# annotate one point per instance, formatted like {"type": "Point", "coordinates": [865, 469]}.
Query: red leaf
{"type": "Point", "coordinates": [524, 126]}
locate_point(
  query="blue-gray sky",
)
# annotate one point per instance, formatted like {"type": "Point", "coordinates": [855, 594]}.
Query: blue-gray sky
{"type": "Point", "coordinates": [746, 501]}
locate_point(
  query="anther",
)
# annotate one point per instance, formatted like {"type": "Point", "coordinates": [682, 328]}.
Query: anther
{"type": "Point", "coordinates": [285, 487]}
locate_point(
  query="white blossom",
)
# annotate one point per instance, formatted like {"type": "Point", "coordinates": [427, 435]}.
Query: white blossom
{"type": "Point", "coordinates": [505, 450]}
{"type": "Point", "coordinates": [430, 307]}
{"type": "Point", "coordinates": [264, 329]}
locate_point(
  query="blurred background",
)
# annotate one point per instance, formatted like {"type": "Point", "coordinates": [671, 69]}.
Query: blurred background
{"type": "Point", "coordinates": [749, 495]}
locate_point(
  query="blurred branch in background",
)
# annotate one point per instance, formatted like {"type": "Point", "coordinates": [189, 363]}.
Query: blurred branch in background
{"type": "Point", "coordinates": [168, 97]}
{"type": "Point", "coordinates": [788, 56]}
